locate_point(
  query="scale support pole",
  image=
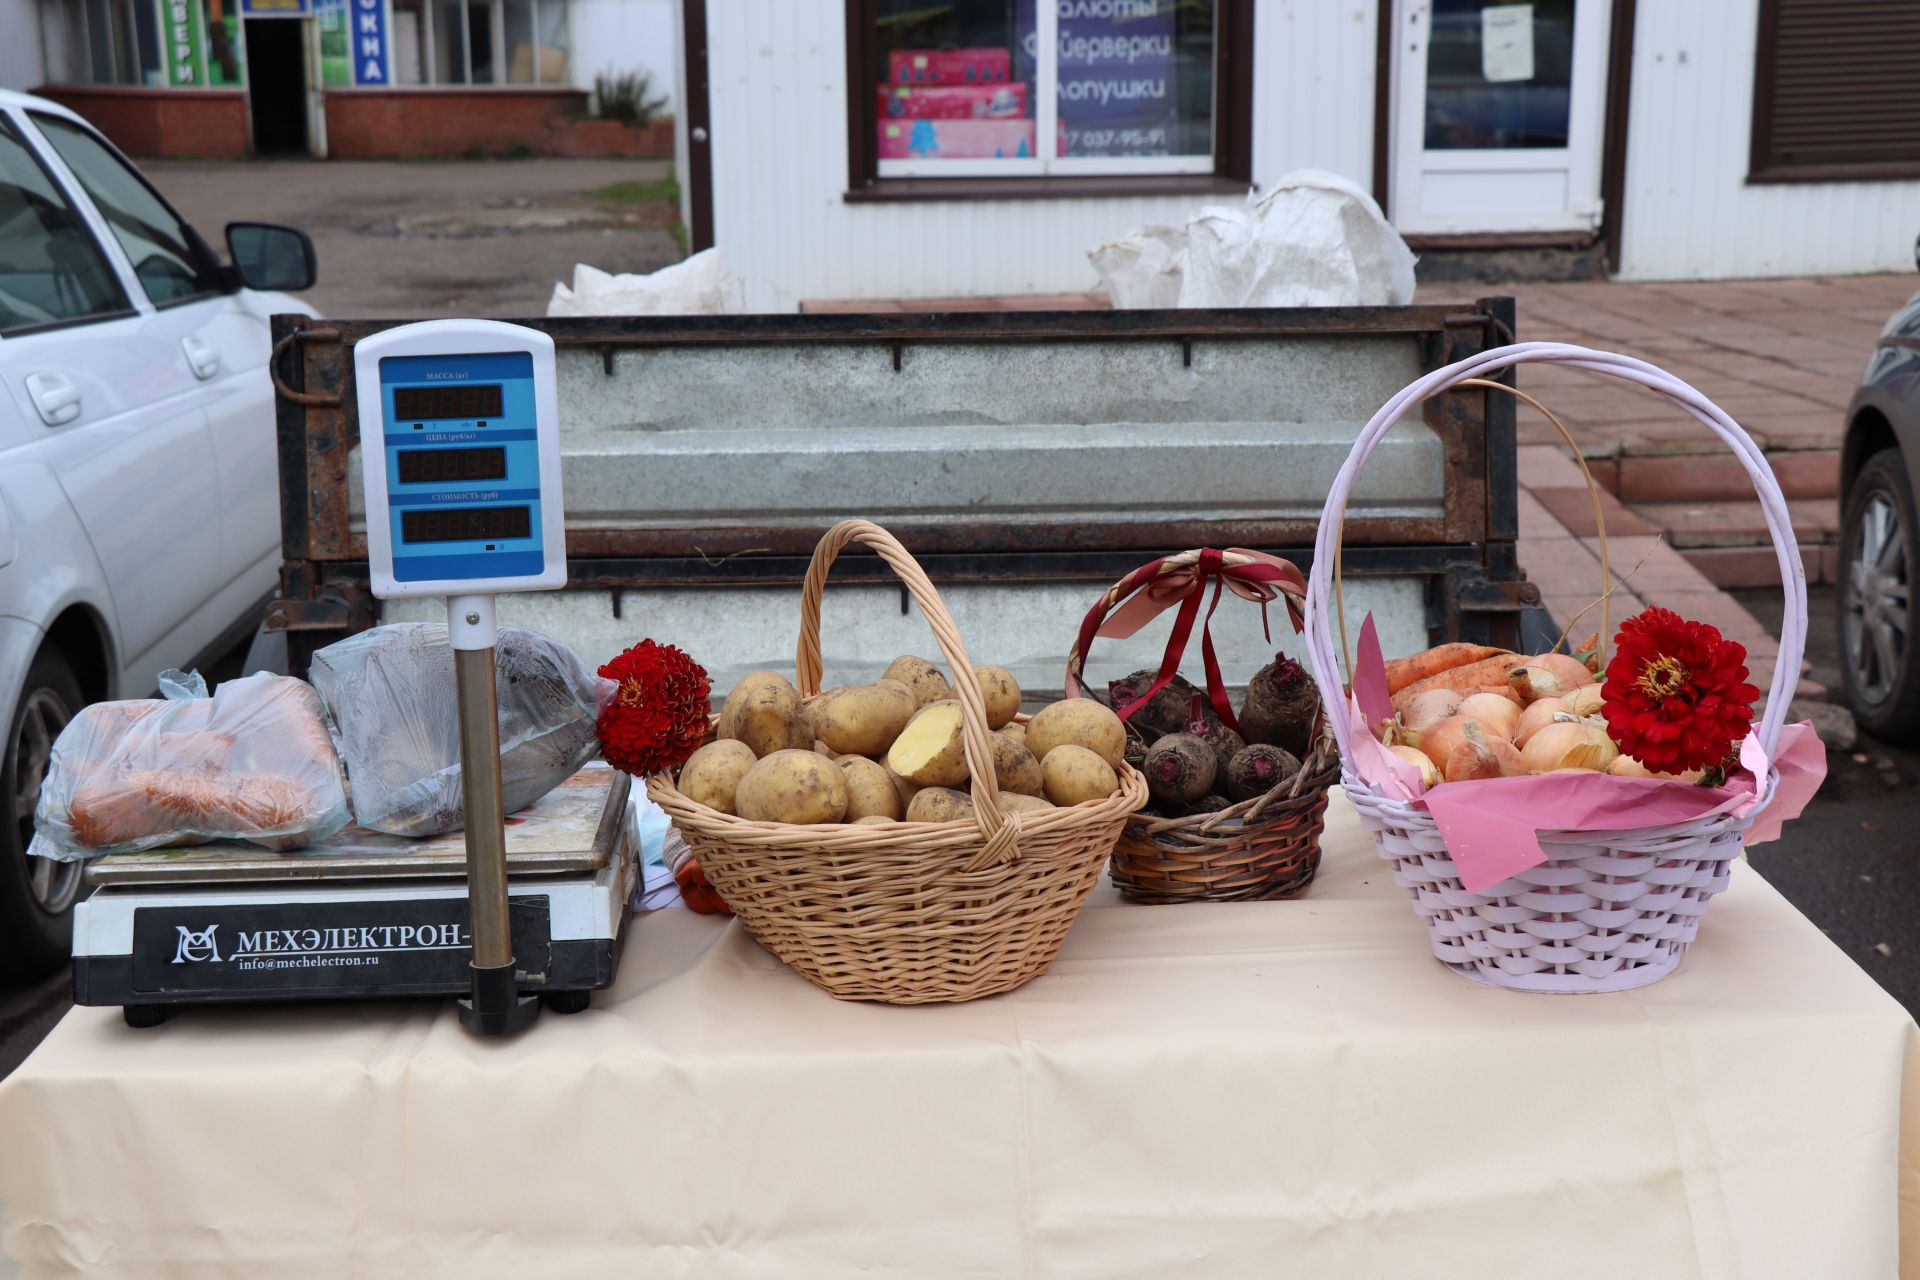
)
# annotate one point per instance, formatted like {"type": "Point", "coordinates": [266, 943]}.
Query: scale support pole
{"type": "Point", "coordinates": [496, 1007]}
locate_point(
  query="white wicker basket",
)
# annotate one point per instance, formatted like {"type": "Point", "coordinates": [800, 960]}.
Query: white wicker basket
{"type": "Point", "coordinates": [1607, 910]}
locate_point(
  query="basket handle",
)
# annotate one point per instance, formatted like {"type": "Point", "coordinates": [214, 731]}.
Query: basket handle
{"type": "Point", "coordinates": [1793, 577]}
{"type": "Point", "coordinates": [999, 832]}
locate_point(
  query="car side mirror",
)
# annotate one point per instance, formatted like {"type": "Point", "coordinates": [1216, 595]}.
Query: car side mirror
{"type": "Point", "coordinates": [271, 257]}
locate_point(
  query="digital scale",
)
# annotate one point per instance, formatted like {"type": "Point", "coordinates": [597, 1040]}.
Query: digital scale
{"type": "Point", "coordinates": [460, 451]}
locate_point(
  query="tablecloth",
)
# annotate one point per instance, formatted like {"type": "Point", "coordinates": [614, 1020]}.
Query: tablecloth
{"type": "Point", "coordinates": [1267, 1089]}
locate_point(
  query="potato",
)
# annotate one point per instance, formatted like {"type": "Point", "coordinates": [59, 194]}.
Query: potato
{"type": "Point", "coordinates": [712, 774]}
{"type": "Point", "coordinates": [822, 749]}
{"type": "Point", "coordinates": [1017, 730]}
{"type": "Point", "coordinates": [1000, 692]}
{"type": "Point", "coordinates": [1014, 767]}
{"type": "Point", "coordinates": [901, 787]}
{"type": "Point", "coordinates": [875, 820]}
{"type": "Point", "coordinates": [1073, 774]}
{"type": "Point", "coordinates": [869, 790]}
{"type": "Point", "coordinates": [929, 750]}
{"type": "Point", "coordinates": [1082, 722]}
{"type": "Point", "coordinates": [1014, 802]}
{"type": "Point", "coordinates": [793, 786]}
{"type": "Point", "coordinates": [940, 804]}
{"type": "Point", "coordinates": [764, 712]}
{"type": "Point", "coordinates": [925, 679]}
{"type": "Point", "coordinates": [862, 719]}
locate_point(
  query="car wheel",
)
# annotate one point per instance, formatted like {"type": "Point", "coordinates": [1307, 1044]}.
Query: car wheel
{"type": "Point", "coordinates": [36, 894]}
{"type": "Point", "coordinates": [1880, 551]}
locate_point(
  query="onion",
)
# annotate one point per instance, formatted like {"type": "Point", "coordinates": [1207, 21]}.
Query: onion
{"type": "Point", "coordinates": [1480, 754]}
{"type": "Point", "coordinates": [1587, 700]}
{"type": "Point", "coordinates": [1438, 742]}
{"type": "Point", "coordinates": [1426, 711]}
{"type": "Point", "coordinates": [1496, 714]}
{"type": "Point", "coordinates": [1566, 744]}
{"type": "Point", "coordinates": [1536, 717]}
{"type": "Point", "coordinates": [1551, 675]}
{"type": "Point", "coordinates": [1429, 776]}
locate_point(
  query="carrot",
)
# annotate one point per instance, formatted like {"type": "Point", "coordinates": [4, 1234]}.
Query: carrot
{"type": "Point", "coordinates": [1402, 672]}
{"type": "Point", "coordinates": [1487, 675]}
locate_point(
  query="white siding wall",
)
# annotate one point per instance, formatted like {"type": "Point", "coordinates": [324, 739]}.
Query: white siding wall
{"type": "Point", "coordinates": [1689, 211]}
{"type": "Point", "coordinates": [620, 36]}
{"type": "Point", "coordinates": [779, 106]}
{"type": "Point", "coordinates": [20, 44]}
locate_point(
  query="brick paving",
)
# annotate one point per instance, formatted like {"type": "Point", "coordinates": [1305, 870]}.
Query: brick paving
{"type": "Point", "coordinates": [1781, 356]}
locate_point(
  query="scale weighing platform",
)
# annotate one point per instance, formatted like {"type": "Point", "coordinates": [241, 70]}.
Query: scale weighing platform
{"type": "Point", "coordinates": [361, 914]}
{"type": "Point", "coordinates": [460, 453]}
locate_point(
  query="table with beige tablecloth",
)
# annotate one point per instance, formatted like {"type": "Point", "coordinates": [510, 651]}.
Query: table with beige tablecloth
{"type": "Point", "coordinates": [1268, 1089]}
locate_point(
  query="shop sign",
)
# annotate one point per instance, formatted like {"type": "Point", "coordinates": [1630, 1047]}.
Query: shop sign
{"type": "Point", "coordinates": [371, 55]}
{"type": "Point", "coordinates": [183, 32]}
{"type": "Point", "coordinates": [275, 8]}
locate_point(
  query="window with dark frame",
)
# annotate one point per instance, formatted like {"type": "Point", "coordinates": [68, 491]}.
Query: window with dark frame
{"type": "Point", "coordinates": [1836, 95]}
{"type": "Point", "coordinates": [1048, 97]}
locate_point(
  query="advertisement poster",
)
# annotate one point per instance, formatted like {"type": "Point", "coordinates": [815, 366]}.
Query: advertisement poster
{"type": "Point", "coordinates": [183, 32]}
{"type": "Point", "coordinates": [354, 48]}
{"type": "Point", "coordinates": [1119, 75]}
{"type": "Point", "coordinates": [1506, 42]}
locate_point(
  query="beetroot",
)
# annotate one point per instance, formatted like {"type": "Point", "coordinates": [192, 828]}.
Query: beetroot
{"type": "Point", "coordinates": [1282, 707]}
{"type": "Point", "coordinates": [1179, 769]}
{"type": "Point", "coordinates": [1165, 712]}
{"type": "Point", "coordinates": [1259, 769]}
{"type": "Point", "coordinates": [1203, 724]}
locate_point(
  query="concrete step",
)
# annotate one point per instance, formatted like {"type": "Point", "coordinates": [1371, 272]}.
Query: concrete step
{"type": "Point", "coordinates": [1728, 542]}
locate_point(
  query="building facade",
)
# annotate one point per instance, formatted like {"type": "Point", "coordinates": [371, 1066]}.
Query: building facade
{"type": "Point", "coordinates": [895, 149]}
{"type": "Point", "coordinates": [349, 78]}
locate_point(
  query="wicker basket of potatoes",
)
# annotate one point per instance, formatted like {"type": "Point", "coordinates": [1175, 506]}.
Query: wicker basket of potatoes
{"type": "Point", "coordinates": [911, 840]}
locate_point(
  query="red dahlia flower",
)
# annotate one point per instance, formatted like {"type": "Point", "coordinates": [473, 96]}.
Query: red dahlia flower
{"type": "Point", "coordinates": [659, 715]}
{"type": "Point", "coordinates": [1676, 694]}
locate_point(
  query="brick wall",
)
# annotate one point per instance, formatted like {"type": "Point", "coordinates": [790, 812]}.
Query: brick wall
{"type": "Point", "coordinates": [205, 124]}
{"type": "Point", "coordinates": [400, 123]}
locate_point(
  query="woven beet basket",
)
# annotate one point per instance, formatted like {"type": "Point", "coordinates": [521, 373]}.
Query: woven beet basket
{"type": "Point", "coordinates": [908, 912]}
{"type": "Point", "coordinates": [1607, 910]}
{"type": "Point", "coordinates": [1253, 850]}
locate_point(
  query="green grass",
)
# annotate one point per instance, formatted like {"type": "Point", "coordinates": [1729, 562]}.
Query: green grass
{"type": "Point", "coordinates": [666, 191]}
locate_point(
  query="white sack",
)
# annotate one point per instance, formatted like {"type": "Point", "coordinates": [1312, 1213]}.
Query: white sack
{"type": "Point", "coordinates": [700, 286]}
{"type": "Point", "coordinates": [1313, 240]}
{"type": "Point", "coordinates": [1143, 268]}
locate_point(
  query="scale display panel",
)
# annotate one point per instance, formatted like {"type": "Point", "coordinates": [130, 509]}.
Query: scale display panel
{"type": "Point", "coordinates": [463, 490]}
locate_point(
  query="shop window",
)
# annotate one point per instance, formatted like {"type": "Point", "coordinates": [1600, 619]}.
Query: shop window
{"type": "Point", "coordinates": [51, 269]}
{"type": "Point", "coordinates": [1834, 92]}
{"type": "Point", "coordinates": [1048, 91]}
{"type": "Point", "coordinates": [102, 42]}
{"type": "Point", "coordinates": [498, 42]}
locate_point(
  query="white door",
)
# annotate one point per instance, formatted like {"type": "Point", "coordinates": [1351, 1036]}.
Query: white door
{"type": "Point", "coordinates": [1498, 113]}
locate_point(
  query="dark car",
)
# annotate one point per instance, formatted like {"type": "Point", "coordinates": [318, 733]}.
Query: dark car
{"type": "Point", "coordinates": [1880, 535]}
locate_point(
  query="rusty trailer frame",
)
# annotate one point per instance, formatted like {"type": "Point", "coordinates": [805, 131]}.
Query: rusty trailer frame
{"type": "Point", "coordinates": [1466, 553]}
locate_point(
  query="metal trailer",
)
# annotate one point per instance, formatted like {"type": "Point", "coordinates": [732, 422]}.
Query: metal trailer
{"type": "Point", "coordinates": [1027, 459]}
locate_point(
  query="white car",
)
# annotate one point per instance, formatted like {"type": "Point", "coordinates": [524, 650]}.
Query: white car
{"type": "Point", "coordinates": [139, 500]}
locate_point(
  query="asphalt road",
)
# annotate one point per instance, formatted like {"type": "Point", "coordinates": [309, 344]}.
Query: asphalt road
{"type": "Point", "coordinates": [1852, 860]}
{"type": "Point", "coordinates": [439, 238]}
